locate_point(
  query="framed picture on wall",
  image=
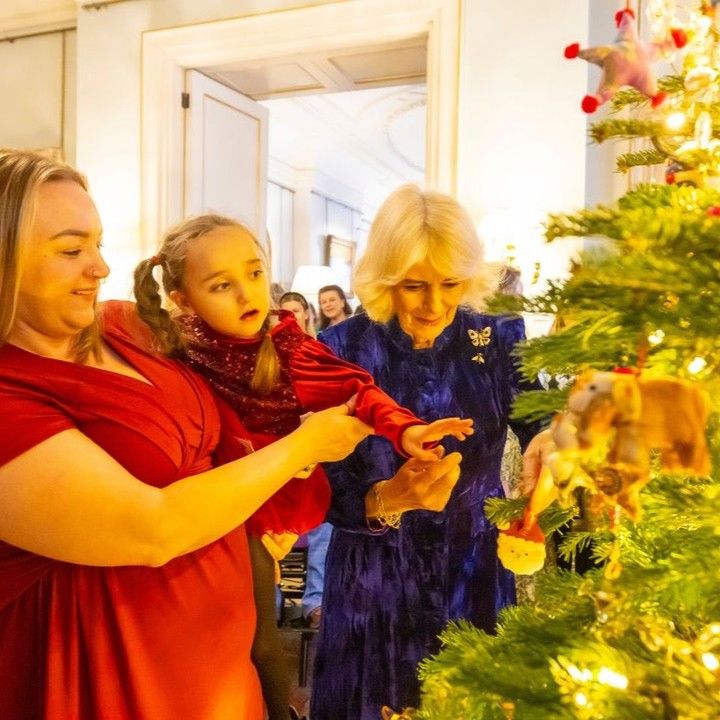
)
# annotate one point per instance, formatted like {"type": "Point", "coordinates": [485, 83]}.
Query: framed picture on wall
{"type": "Point", "coordinates": [340, 256]}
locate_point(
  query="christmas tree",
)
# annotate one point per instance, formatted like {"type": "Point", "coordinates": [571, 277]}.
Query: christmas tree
{"type": "Point", "coordinates": [639, 636]}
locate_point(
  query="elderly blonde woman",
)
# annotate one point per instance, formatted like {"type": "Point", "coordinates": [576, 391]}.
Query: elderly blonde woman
{"type": "Point", "coordinates": [396, 575]}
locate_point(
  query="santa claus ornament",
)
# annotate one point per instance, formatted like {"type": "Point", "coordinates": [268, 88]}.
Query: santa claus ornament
{"type": "Point", "coordinates": [625, 62]}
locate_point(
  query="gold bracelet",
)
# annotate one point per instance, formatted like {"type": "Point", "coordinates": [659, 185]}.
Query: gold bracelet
{"type": "Point", "coordinates": [385, 519]}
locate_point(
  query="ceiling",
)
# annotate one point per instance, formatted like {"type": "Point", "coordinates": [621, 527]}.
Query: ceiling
{"type": "Point", "coordinates": [399, 63]}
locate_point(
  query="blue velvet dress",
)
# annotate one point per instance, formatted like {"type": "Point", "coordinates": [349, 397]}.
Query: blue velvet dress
{"type": "Point", "coordinates": [388, 595]}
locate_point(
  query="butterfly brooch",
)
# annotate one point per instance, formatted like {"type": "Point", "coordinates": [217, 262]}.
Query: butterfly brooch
{"type": "Point", "coordinates": [480, 339]}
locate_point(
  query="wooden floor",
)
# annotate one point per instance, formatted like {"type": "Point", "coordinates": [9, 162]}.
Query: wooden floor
{"type": "Point", "coordinates": [299, 696]}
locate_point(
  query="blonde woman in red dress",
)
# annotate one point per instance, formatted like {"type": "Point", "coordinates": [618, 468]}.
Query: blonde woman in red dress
{"type": "Point", "coordinates": [125, 581]}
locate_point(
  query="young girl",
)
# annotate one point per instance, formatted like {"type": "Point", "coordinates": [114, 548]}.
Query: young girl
{"type": "Point", "coordinates": [271, 373]}
{"type": "Point", "coordinates": [300, 308]}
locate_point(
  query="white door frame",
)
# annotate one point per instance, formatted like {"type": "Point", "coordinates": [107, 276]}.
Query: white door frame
{"type": "Point", "coordinates": [334, 26]}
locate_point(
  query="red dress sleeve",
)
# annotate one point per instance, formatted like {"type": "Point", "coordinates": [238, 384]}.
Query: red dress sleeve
{"type": "Point", "coordinates": [32, 417]}
{"type": "Point", "coordinates": [321, 380]}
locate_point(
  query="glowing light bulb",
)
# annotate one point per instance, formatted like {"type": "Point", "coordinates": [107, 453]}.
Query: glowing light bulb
{"type": "Point", "coordinates": [579, 675]}
{"type": "Point", "coordinates": [581, 699]}
{"type": "Point", "coordinates": [696, 365]}
{"type": "Point", "coordinates": [655, 338]}
{"type": "Point", "coordinates": [710, 661]}
{"type": "Point", "coordinates": [614, 679]}
{"type": "Point", "coordinates": [675, 120]}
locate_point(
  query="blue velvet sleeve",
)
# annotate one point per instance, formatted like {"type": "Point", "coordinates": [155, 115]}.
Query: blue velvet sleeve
{"type": "Point", "coordinates": [373, 460]}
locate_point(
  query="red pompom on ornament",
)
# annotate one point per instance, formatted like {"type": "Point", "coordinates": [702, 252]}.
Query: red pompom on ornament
{"type": "Point", "coordinates": [713, 211]}
{"type": "Point", "coordinates": [572, 51]}
{"type": "Point", "coordinates": [679, 37]}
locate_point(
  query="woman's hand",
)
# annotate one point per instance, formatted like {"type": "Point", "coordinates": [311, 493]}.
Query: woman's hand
{"type": "Point", "coordinates": [534, 458]}
{"type": "Point", "coordinates": [417, 485]}
{"type": "Point", "coordinates": [416, 437]}
{"type": "Point", "coordinates": [331, 434]}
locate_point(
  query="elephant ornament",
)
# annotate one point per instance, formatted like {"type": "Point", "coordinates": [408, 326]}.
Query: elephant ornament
{"type": "Point", "coordinates": [602, 442]}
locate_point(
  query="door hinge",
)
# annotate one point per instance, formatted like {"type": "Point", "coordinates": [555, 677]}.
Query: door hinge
{"type": "Point", "coordinates": [185, 100]}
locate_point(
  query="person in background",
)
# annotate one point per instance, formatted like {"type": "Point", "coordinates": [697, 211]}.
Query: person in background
{"type": "Point", "coordinates": [125, 581]}
{"type": "Point", "coordinates": [276, 292]}
{"type": "Point", "coordinates": [271, 373]}
{"type": "Point", "coordinates": [296, 303]}
{"type": "Point", "coordinates": [396, 575]}
{"type": "Point", "coordinates": [334, 307]}
{"type": "Point", "coordinates": [510, 281]}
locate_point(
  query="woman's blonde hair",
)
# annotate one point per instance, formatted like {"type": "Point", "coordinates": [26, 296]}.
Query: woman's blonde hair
{"type": "Point", "coordinates": [21, 175]}
{"type": "Point", "coordinates": [411, 226]}
{"type": "Point", "coordinates": [171, 260]}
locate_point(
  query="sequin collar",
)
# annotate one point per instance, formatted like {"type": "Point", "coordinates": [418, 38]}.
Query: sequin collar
{"type": "Point", "coordinates": [199, 330]}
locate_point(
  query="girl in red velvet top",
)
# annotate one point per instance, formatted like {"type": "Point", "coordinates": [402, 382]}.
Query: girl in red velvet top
{"type": "Point", "coordinates": [271, 373]}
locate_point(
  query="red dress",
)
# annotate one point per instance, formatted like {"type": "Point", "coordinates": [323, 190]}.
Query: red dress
{"type": "Point", "coordinates": [123, 643]}
{"type": "Point", "coordinates": [312, 378]}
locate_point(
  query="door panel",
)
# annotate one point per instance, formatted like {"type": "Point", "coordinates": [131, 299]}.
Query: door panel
{"type": "Point", "coordinates": [225, 153]}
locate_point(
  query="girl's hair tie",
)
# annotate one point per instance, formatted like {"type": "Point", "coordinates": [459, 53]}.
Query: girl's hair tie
{"type": "Point", "coordinates": [156, 260]}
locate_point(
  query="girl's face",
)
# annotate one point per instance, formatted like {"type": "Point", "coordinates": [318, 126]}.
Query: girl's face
{"type": "Point", "coordinates": [225, 283]}
{"type": "Point", "coordinates": [332, 306]}
{"type": "Point", "coordinates": [302, 316]}
{"type": "Point", "coordinates": [426, 302]}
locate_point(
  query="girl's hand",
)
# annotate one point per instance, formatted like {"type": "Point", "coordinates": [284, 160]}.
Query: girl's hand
{"type": "Point", "coordinates": [416, 437]}
{"type": "Point", "coordinates": [331, 434]}
{"type": "Point", "coordinates": [278, 544]}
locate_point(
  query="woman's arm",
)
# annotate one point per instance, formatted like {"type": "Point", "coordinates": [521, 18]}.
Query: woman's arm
{"type": "Point", "coordinates": [67, 499]}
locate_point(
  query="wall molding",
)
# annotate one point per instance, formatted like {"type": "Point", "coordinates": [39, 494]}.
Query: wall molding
{"type": "Point", "coordinates": [44, 17]}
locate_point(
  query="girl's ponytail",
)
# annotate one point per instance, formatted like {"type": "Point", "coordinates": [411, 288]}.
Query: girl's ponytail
{"type": "Point", "coordinates": [168, 334]}
{"type": "Point", "coordinates": [267, 365]}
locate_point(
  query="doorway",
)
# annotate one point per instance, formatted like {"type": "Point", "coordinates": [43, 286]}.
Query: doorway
{"type": "Point", "coordinates": [328, 28]}
{"type": "Point", "coordinates": [344, 131]}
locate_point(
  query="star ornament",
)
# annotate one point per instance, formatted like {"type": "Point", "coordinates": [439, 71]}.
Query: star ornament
{"type": "Point", "coordinates": [627, 61]}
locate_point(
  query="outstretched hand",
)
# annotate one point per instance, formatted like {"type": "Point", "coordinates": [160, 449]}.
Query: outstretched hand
{"type": "Point", "coordinates": [417, 437]}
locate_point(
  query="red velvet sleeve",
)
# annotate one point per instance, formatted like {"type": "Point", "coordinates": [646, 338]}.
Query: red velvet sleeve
{"type": "Point", "coordinates": [27, 419]}
{"type": "Point", "coordinates": [321, 380]}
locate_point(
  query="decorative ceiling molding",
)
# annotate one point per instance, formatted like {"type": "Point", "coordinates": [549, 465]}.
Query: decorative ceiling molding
{"type": "Point", "coordinates": [323, 129]}
{"type": "Point", "coordinates": [391, 122]}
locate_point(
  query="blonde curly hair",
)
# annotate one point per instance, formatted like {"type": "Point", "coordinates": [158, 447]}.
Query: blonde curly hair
{"type": "Point", "coordinates": [410, 227]}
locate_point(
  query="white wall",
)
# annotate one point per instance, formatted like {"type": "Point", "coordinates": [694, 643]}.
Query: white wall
{"type": "Point", "coordinates": [38, 83]}
{"type": "Point", "coordinates": [521, 149]}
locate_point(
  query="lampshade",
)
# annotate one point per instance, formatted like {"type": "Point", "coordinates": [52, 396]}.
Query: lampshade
{"type": "Point", "coordinates": [310, 278]}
